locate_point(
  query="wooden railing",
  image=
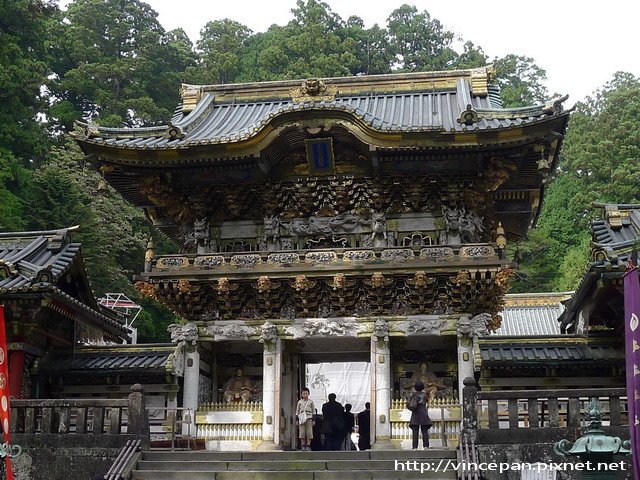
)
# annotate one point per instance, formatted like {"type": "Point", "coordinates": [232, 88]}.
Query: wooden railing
{"type": "Point", "coordinates": [548, 408]}
{"type": "Point", "coordinates": [97, 416]}
{"type": "Point", "coordinates": [537, 416]}
{"type": "Point", "coordinates": [81, 415]}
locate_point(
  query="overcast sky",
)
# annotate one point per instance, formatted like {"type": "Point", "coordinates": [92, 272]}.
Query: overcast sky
{"type": "Point", "coordinates": [579, 44]}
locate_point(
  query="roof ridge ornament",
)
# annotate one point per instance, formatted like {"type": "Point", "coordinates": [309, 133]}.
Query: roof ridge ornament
{"type": "Point", "coordinates": [7, 269]}
{"type": "Point", "coordinates": [468, 116]}
{"type": "Point", "coordinates": [313, 89]}
{"type": "Point", "coordinates": [554, 106]}
{"type": "Point", "coordinates": [191, 95]}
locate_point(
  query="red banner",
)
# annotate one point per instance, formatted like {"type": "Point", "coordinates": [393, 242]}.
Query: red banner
{"type": "Point", "coordinates": [4, 391]}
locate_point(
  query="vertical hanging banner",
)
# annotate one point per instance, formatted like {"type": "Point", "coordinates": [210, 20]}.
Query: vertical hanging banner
{"type": "Point", "coordinates": [4, 392]}
{"type": "Point", "coordinates": [632, 346]}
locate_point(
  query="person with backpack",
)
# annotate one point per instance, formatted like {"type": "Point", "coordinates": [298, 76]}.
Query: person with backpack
{"type": "Point", "coordinates": [420, 420]}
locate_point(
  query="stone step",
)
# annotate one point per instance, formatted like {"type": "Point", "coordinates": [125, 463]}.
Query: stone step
{"type": "Point", "coordinates": [202, 455]}
{"type": "Point", "coordinates": [281, 465]}
{"type": "Point", "coordinates": [289, 475]}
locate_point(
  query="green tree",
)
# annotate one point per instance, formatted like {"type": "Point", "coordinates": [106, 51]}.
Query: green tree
{"type": "Point", "coordinates": [14, 183]}
{"type": "Point", "coordinates": [419, 42]}
{"type": "Point", "coordinates": [602, 148]}
{"type": "Point", "coordinates": [115, 64]}
{"type": "Point", "coordinates": [221, 46]}
{"type": "Point", "coordinates": [23, 72]}
{"type": "Point", "coordinates": [521, 81]}
{"type": "Point", "coordinates": [113, 233]}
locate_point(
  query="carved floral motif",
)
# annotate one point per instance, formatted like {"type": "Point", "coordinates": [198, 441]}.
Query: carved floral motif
{"type": "Point", "coordinates": [359, 256]}
{"type": "Point", "coordinates": [208, 261]}
{"type": "Point", "coordinates": [172, 263]}
{"type": "Point", "coordinates": [246, 261]}
{"type": "Point", "coordinates": [283, 258]}
{"type": "Point", "coordinates": [321, 257]}
{"type": "Point", "coordinates": [397, 255]}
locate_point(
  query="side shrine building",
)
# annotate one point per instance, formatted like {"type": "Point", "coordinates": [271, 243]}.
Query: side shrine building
{"type": "Point", "coordinates": [359, 219]}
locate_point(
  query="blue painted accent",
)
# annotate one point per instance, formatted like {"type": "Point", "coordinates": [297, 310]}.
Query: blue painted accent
{"type": "Point", "coordinates": [320, 153]}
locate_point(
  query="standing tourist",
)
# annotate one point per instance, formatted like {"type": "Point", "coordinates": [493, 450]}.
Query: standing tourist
{"type": "Point", "coordinates": [364, 424]}
{"type": "Point", "coordinates": [420, 420]}
{"type": "Point", "coordinates": [333, 423]}
{"type": "Point", "coordinates": [304, 412]}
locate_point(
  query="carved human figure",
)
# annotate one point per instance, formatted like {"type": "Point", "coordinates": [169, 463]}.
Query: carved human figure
{"type": "Point", "coordinates": [451, 217]}
{"type": "Point", "coordinates": [201, 235]}
{"type": "Point", "coordinates": [379, 237]}
{"type": "Point", "coordinates": [431, 382]}
{"type": "Point", "coordinates": [238, 388]}
{"type": "Point", "coordinates": [471, 227]}
{"type": "Point", "coordinates": [272, 233]}
{"type": "Point", "coordinates": [404, 384]}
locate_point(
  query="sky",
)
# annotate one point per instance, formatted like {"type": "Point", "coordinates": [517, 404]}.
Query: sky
{"type": "Point", "coordinates": [580, 44]}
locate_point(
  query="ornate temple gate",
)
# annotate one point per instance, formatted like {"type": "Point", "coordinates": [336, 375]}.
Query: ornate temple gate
{"type": "Point", "coordinates": [374, 208]}
{"type": "Point", "coordinates": [253, 409]}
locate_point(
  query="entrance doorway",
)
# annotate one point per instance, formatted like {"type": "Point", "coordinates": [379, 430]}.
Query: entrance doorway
{"type": "Point", "coordinates": [350, 381]}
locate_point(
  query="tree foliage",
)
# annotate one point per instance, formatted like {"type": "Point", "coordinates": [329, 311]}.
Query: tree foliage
{"type": "Point", "coordinates": [600, 161]}
{"type": "Point", "coordinates": [115, 64]}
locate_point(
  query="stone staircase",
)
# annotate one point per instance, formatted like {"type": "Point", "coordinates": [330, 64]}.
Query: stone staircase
{"type": "Point", "coordinates": [367, 465]}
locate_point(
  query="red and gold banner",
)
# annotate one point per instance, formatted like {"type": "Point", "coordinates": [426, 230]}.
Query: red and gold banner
{"type": "Point", "coordinates": [4, 390]}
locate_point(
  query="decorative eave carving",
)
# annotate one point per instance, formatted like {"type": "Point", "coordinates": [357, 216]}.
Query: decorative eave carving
{"type": "Point", "coordinates": [184, 333]}
{"type": "Point", "coordinates": [477, 326]}
{"type": "Point", "coordinates": [315, 327]}
{"type": "Point", "coordinates": [423, 325]}
{"type": "Point", "coordinates": [229, 331]}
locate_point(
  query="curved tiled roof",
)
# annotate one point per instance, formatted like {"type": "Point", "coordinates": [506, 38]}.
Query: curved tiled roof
{"type": "Point", "coordinates": [531, 314]}
{"type": "Point", "coordinates": [28, 258]}
{"type": "Point", "coordinates": [228, 119]}
{"type": "Point", "coordinates": [613, 239]}
{"type": "Point", "coordinates": [114, 358]}
{"type": "Point", "coordinates": [34, 262]}
{"type": "Point", "coordinates": [550, 353]}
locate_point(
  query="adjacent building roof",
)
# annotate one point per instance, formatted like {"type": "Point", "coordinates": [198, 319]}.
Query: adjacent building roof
{"type": "Point", "coordinates": [531, 314]}
{"type": "Point", "coordinates": [613, 239]}
{"type": "Point", "coordinates": [32, 258]}
{"type": "Point", "coordinates": [106, 360]}
{"type": "Point", "coordinates": [35, 263]}
{"type": "Point", "coordinates": [549, 354]}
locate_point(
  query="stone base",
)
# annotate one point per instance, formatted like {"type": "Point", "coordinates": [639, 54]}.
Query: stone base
{"type": "Point", "coordinates": [232, 445]}
{"type": "Point", "coordinates": [405, 443]}
{"type": "Point", "coordinates": [383, 444]}
{"type": "Point", "coordinates": [268, 446]}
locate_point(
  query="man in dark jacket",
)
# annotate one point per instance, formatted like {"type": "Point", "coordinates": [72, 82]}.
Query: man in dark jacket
{"type": "Point", "coordinates": [364, 423]}
{"type": "Point", "coordinates": [349, 422]}
{"type": "Point", "coordinates": [333, 423]}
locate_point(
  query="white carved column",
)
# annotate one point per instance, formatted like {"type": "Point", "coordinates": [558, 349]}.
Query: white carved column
{"type": "Point", "coordinates": [381, 383]}
{"type": "Point", "coordinates": [469, 329]}
{"type": "Point", "coordinates": [187, 338]}
{"type": "Point", "coordinates": [191, 384]}
{"type": "Point", "coordinates": [271, 364]}
{"type": "Point", "coordinates": [465, 361]}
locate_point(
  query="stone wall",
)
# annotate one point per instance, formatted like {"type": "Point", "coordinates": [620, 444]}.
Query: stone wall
{"type": "Point", "coordinates": [66, 457]}
{"type": "Point", "coordinates": [533, 453]}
